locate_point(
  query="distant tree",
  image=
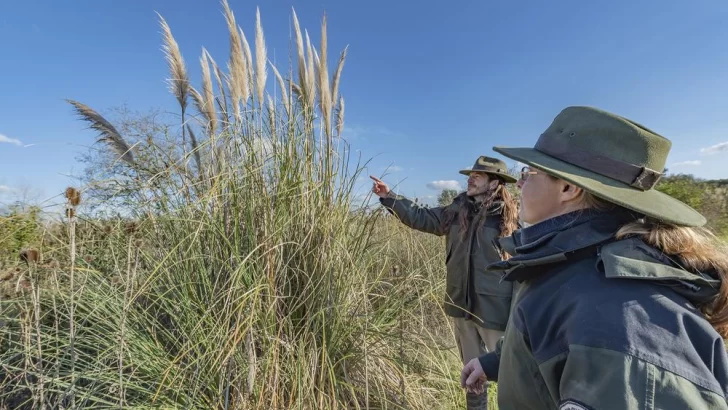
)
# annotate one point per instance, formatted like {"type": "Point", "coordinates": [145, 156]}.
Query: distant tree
{"type": "Point", "coordinates": [446, 197]}
{"type": "Point", "coordinates": [20, 226]}
{"type": "Point", "coordinates": [515, 171]}
{"type": "Point", "coordinates": [113, 184]}
{"type": "Point", "coordinates": [710, 198]}
{"type": "Point", "coordinates": [685, 188]}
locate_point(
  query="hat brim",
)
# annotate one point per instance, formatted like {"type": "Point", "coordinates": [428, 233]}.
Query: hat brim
{"type": "Point", "coordinates": [509, 179]}
{"type": "Point", "coordinates": [652, 203]}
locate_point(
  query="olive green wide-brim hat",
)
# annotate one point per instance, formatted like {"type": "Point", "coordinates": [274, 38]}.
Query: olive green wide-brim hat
{"type": "Point", "coordinates": [492, 166]}
{"type": "Point", "coordinates": [612, 157]}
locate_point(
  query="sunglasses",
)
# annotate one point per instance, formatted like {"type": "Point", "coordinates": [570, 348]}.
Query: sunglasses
{"type": "Point", "coordinates": [525, 172]}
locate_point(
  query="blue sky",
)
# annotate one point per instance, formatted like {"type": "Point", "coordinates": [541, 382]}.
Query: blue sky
{"type": "Point", "coordinates": [428, 86]}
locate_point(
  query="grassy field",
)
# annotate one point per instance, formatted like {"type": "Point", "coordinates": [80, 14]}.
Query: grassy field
{"type": "Point", "coordinates": [236, 271]}
{"type": "Point", "coordinates": [222, 261]}
{"type": "Point", "coordinates": [170, 313]}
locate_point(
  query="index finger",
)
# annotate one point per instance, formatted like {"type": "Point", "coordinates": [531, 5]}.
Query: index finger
{"type": "Point", "coordinates": [375, 178]}
{"type": "Point", "coordinates": [464, 376]}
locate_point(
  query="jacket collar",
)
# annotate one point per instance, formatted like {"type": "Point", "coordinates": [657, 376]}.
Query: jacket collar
{"type": "Point", "coordinates": [495, 207]}
{"type": "Point", "coordinates": [578, 234]}
{"type": "Point", "coordinates": [556, 240]}
{"type": "Point", "coordinates": [634, 259]}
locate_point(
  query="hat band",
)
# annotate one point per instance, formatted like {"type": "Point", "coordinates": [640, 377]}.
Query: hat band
{"type": "Point", "coordinates": [487, 169]}
{"type": "Point", "coordinates": [642, 178]}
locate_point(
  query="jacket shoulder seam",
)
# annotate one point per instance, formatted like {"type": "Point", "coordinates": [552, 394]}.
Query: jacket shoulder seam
{"type": "Point", "coordinates": [692, 378]}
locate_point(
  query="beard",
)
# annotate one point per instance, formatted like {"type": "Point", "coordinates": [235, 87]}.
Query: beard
{"type": "Point", "coordinates": [477, 191]}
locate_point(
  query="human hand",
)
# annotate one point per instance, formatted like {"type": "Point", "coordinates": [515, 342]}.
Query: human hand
{"type": "Point", "coordinates": [472, 377]}
{"type": "Point", "coordinates": [379, 188]}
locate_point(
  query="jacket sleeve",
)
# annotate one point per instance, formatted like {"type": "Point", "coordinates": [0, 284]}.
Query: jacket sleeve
{"type": "Point", "coordinates": [491, 362]}
{"type": "Point", "coordinates": [597, 378]}
{"type": "Point", "coordinates": [423, 219]}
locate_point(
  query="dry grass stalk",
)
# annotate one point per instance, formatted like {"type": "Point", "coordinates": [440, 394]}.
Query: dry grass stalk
{"type": "Point", "coordinates": [180, 82]}
{"type": "Point", "coordinates": [340, 117]}
{"type": "Point", "coordinates": [302, 74]}
{"type": "Point", "coordinates": [199, 102]}
{"type": "Point", "coordinates": [337, 75]}
{"type": "Point", "coordinates": [297, 90]}
{"type": "Point", "coordinates": [237, 65]}
{"type": "Point", "coordinates": [107, 133]}
{"type": "Point", "coordinates": [272, 117]}
{"type": "Point", "coordinates": [261, 74]}
{"type": "Point", "coordinates": [323, 81]}
{"type": "Point", "coordinates": [247, 54]}
{"type": "Point", "coordinates": [284, 93]}
{"type": "Point", "coordinates": [310, 78]}
{"type": "Point", "coordinates": [207, 93]}
{"type": "Point", "coordinates": [23, 283]}
{"type": "Point", "coordinates": [222, 102]}
{"type": "Point", "coordinates": [73, 200]}
{"type": "Point", "coordinates": [195, 149]}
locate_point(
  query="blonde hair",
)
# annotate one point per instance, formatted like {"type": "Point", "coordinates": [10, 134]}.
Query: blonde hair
{"type": "Point", "coordinates": [696, 249]}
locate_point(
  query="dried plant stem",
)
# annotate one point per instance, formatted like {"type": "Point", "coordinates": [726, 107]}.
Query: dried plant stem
{"type": "Point", "coordinates": [72, 310]}
{"type": "Point", "coordinates": [250, 348]}
{"type": "Point", "coordinates": [403, 397]}
{"type": "Point", "coordinates": [128, 288]}
{"type": "Point", "coordinates": [260, 59]}
{"type": "Point", "coordinates": [35, 291]}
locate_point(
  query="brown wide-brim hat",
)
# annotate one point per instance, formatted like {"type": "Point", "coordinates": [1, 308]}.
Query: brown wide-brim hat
{"type": "Point", "coordinates": [612, 157]}
{"type": "Point", "coordinates": [492, 166]}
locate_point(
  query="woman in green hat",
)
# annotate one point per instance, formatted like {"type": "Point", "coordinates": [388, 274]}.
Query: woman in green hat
{"type": "Point", "coordinates": [623, 302]}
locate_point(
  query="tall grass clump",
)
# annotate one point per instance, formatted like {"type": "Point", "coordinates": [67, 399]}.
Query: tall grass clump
{"type": "Point", "coordinates": [239, 275]}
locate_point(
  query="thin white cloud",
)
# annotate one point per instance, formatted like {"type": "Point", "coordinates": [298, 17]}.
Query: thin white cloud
{"type": "Point", "coordinates": [394, 168]}
{"type": "Point", "coordinates": [363, 133]}
{"type": "Point", "coordinates": [717, 148]}
{"type": "Point", "coordinates": [4, 188]}
{"type": "Point", "coordinates": [9, 140]}
{"type": "Point", "coordinates": [689, 163]}
{"type": "Point", "coordinates": [444, 184]}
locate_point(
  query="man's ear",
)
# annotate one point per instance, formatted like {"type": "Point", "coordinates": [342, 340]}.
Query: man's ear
{"type": "Point", "coordinates": [493, 184]}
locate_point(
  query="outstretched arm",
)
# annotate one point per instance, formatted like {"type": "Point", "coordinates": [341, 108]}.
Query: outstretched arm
{"type": "Point", "coordinates": [418, 217]}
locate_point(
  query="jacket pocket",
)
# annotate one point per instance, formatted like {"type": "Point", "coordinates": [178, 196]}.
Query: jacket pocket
{"type": "Point", "coordinates": [489, 283]}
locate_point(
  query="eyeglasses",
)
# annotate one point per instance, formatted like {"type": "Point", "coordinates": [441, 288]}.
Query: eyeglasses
{"type": "Point", "coordinates": [525, 172]}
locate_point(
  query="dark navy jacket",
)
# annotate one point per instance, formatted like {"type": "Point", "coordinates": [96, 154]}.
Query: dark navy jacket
{"type": "Point", "coordinates": [604, 324]}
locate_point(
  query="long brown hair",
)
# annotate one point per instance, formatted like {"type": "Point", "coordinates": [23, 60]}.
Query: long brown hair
{"type": "Point", "coordinates": [462, 209]}
{"type": "Point", "coordinates": [696, 249]}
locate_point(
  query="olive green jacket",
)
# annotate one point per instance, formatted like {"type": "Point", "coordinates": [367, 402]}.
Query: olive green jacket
{"type": "Point", "coordinates": [472, 292]}
{"type": "Point", "coordinates": [604, 324]}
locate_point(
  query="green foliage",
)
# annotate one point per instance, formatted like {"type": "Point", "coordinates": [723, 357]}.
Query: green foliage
{"type": "Point", "coordinates": [708, 197]}
{"type": "Point", "coordinates": [19, 228]}
{"type": "Point", "coordinates": [446, 197]}
{"type": "Point", "coordinates": [685, 188]}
